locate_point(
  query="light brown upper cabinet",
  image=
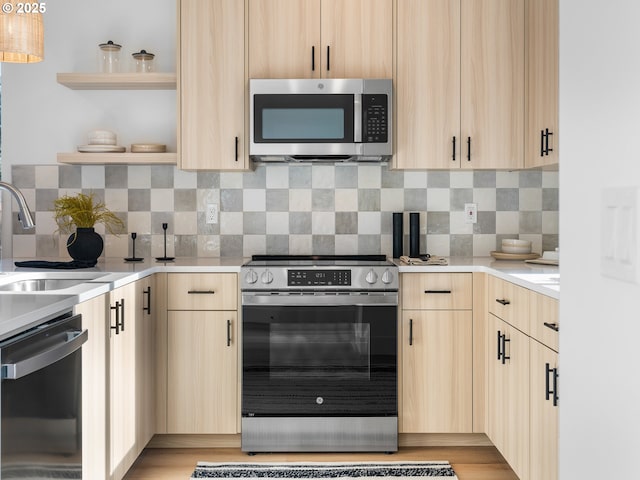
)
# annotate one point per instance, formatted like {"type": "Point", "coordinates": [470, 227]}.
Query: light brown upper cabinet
{"type": "Point", "coordinates": [541, 136]}
{"type": "Point", "coordinates": [320, 38]}
{"type": "Point", "coordinates": [460, 84]}
{"type": "Point", "coordinates": [211, 85]}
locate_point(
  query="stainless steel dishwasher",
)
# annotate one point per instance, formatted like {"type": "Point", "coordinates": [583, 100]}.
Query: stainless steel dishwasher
{"type": "Point", "coordinates": [41, 396]}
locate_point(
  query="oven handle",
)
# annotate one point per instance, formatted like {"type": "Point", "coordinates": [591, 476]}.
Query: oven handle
{"type": "Point", "coordinates": [15, 371]}
{"type": "Point", "coordinates": [266, 299]}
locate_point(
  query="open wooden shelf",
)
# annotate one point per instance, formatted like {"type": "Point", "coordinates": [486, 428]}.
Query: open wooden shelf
{"type": "Point", "coordinates": [118, 81]}
{"type": "Point", "coordinates": [128, 158]}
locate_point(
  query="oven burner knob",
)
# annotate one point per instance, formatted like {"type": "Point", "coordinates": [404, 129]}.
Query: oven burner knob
{"type": "Point", "coordinates": [387, 277]}
{"type": "Point", "coordinates": [319, 400]}
{"type": "Point", "coordinates": [267, 277]}
{"type": "Point", "coordinates": [251, 277]}
{"type": "Point", "coordinates": [372, 277]}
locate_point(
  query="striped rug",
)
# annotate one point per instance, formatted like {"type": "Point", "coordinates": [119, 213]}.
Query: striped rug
{"type": "Point", "coordinates": [322, 470]}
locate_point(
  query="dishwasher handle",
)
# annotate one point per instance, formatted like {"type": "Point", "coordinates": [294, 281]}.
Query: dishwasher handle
{"type": "Point", "coordinates": [14, 371]}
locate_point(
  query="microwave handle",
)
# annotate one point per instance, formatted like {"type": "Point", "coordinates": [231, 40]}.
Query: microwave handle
{"type": "Point", "coordinates": [357, 118]}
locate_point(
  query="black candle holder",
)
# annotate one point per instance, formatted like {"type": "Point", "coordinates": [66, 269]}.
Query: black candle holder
{"type": "Point", "coordinates": [133, 257]}
{"type": "Point", "coordinates": [165, 258]}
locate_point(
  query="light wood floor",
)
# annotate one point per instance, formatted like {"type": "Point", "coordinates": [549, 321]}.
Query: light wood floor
{"type": "Point", "coordinates": [469, 463]}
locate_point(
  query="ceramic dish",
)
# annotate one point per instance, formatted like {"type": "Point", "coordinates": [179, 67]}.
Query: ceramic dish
{"type": "Point", "coordinates": [514, 256]}
{"type": "Point", "coordinates": [101, 149]}
{"type": "Point", "coordinates": [148, 148]}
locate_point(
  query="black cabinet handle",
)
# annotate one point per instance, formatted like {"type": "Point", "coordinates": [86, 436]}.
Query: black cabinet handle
{"type": "Point", "coordinates": [542, 143]}
{"type": "Point", "coordinates": [504, 348]}
{"type": "Point", "coordinates": [552, 326]}
{"type": "Point", "coordinates": [236, 149]}
{"type": "Point", "coordinates": [468, 149]}
{"type": "Point", "coordinates": [499, 345]}
{"type": "Point", "coordinates": [328, 58]}
{"type": "Point", "coordinates": [502, 301]}
{"type": "Point", "coordinates": [122, 314]}
{"type": "Point", "coordinates": [228, 333]}
{"type": "Point", "coordinates": [147, 293]}
{"type": "Point", "coordinates": [201, 292]}
{"type": "Point", "coordinates": [411, 331]}
{"type": "Point", "coordinates": [437, 291]}
{"type": "Point", "coordinates": [117, 326]}
{"type": "Point", "coordinates": [553, 391]}
{"type": "Point", "coordinates": [313, 58]}
{"type": "Point", "coordinates": [454, 149]}
{"type": "Point", "coordinates": [547, 149]}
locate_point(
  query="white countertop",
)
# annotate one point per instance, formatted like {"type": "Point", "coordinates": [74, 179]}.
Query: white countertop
{"type": "Point", "coordinates": [21, 311]}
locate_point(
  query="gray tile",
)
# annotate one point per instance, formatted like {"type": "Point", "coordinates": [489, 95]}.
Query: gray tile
{"type": "Point", "coordinates": [231, 246]}
{"type": "Point", "coordinates": [530, 178]}
{"type": "Point", "coordinates": [277, 200]}
{"type": "Point", "coordinates": [392, 178]}
{"type": "Point", "coordinates": [70, 176]}
{"type": "Point", "coordinates": [346, 223]}
{"type": "Point", "coordinates": [386, 223]}
{"type": "Point", "coordinates": [530, 222]}
{"type": "Point", "coordinates": [231, 200]}
{"type": "Point", "coordinates": [438, 179]}
{"type": "Point", "coordinates": [186, 245]}
{"type": "Point", "coordinates": [323, 200]}
{"type": "Point", "coordinates": [205, 228]}
{"type": "Point", "coordinates": [323, 245]}
{"type": "Point", "coordinates": [255, 179]}
{"type": "Point", "coordinates": [438, 222]}
{"type": "Point", "coordinates": [158, 218]}
{"type": "Point", "coordinates": [507, 199]}
{"type": "Point", "coordinates": [184, 200]}
{"type": "Point", "coordinates": [115, 176]}
{"type": "Point", "coordinates": [461, 245]}
{"type": "Point", "coordinates": [45, 198]}
{"type": "Point", "coordinates": [458, 197]}
{"type": "Point", "coordinates": [299, 176]}
{"type": "Point", "coordinates": [254, 223]}
{"type": "Point", "coordinates": [369, 199]}
{"type": "Point", "coordinates": [550, 200]}
{"type": "Point", "coordinates": [208, 180]}
{"type": "Point", "coordinates": [346, 176]}
{"type": "Point", "coordinates": [486, 223]}
{"type": "Point", "coordinates": [277, 244]}
{"type": "Point", "coordinates": [300, 223]}
{"type": "Point", "coordinates": [23, 176]}
{"type": "Point", "coordinates": [369, 244]}
{"type": "Point", "coordinates": [162, 176]}
{"type": "Point", "coordinates": [98, 193]}
{"type": "Point", "coordinates": [415, 199]}
{"type": "Point", "coordinates": [47, 245]}
{"type": "Point", "coordinates": [139, 200]}
{"type": "Point", "coordinates": [484, 178]}
{"type": "Point", "coordinates": [124, 217]}
{"type": "Point", "coordinates": [550, 242]}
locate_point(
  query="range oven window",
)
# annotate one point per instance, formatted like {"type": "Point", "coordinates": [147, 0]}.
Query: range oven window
{"type": "Point", "coordinates": [327, 350]}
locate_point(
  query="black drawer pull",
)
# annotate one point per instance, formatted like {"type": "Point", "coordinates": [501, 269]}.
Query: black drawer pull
{"type": "Point", "coordinates": [454, 149]}
{"type": "Point", "coordinates": [201, 292]}
{"type": "Point", "coordinates": [228, 333]}
{"type": "Point", "coordinates": [147, 293]}
{"type": "Point", "coordinates": [411, 331]}
{"type": "Point", "coordinates": [313, 58]}
{"type": "Point", "coordinates": [437, 291]}
{"type": "Point", "coordinates": [552, 326]}
{"type": "Point", "coordinates": [554, 390]}
{"type": "Point", "coordinates": [502, 301]}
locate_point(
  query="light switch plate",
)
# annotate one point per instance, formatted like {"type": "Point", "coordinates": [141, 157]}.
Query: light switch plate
{"type": "Point", "coordinates": [619, 255]}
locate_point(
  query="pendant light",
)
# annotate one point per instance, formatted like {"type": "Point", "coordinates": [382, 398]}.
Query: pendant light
{"type": "Point", "coordinates": [21, 32]}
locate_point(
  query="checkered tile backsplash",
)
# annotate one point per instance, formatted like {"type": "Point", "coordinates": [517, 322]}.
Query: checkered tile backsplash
{"type": "Point", "coordinates": [293, 209]}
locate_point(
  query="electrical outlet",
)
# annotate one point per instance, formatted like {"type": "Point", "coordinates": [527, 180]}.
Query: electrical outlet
{"type": "Point", "coordinates": [470, 213]}
{"type": "Point", "coordinates": [211, 214]}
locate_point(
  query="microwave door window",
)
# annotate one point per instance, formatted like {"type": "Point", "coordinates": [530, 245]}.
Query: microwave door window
{"type": "Point", "coordinates": [311, 124]}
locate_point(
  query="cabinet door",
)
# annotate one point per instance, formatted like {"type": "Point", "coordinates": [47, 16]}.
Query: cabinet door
{"type": "Point", "coordinates": [357, 38]}
{"type": "Point", "coordinates": [542, 79]}
{"type": "Point", "coordinates": [284, 40]}
{"type": "Point", "coordinates": [544, 414]}
{"type": "Point", "coordinates": [122, 380]}
{"type": "Point", "coordinates": [211, 85]}
{"type": "Point", "coordinates": [508, 394]}
{"type": "Point", "coordinates": [202, 373]}
{"type": "Point", "coordinates": [492, 83]}
{"type": "Point", "coordinates": [428, 84]}
{"type": "Point", "coordinates": [145, 356]}
{"type": "Point", "coordinates": [437, 372]}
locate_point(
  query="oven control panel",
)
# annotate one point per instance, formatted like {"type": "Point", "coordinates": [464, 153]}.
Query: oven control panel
{"type": "Point", "coordinates": [318, 278]}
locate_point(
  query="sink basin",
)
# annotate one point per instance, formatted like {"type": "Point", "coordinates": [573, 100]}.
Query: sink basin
{"type": "Point", "coordinates": [41, 284]}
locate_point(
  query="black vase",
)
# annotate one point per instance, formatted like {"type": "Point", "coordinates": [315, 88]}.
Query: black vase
{"type": "Point", "coordinates": [85, 244]}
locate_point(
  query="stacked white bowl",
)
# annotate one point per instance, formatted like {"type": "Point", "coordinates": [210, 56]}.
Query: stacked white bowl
{"type": "Point", "coordinates": [511, 245]}
{"type": "Point", "coordinates": [102, 137]}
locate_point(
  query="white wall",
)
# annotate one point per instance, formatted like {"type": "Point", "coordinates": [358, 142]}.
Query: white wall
{"type": "Point", "coordinates": [600, 317]}
{"type": "Point", "coordinates": [43, 117]}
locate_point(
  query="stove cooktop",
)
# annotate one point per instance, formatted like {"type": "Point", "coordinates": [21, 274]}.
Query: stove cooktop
{"type": "Point", "coordinates": [318, 260]}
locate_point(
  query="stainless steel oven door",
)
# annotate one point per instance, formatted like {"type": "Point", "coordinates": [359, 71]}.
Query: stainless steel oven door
{"type": "Point", "coordinates": [315, 358]}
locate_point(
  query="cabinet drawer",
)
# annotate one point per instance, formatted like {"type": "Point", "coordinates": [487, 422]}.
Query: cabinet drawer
{"type": "Point", "coordinates": [544, 319]}
{"type": "Point", "coordinates": [203, 291]}
{"type": "Point", "coordinates": [509, 302]}
{"type": "Point", "coordinates": [437, 291]}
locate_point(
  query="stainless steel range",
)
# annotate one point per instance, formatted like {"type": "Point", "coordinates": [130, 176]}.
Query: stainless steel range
{"type": "Point", "coordinates": [319, 354]}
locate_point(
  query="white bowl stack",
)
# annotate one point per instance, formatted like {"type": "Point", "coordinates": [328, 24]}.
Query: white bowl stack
{"type": "Point", "coordinates": [514, 246]}
{"type": "Point", "coordinates": [101, 141]}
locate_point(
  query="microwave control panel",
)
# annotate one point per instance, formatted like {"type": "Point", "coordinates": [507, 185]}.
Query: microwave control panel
{"type": "Point", "coordinates": [375, 124]}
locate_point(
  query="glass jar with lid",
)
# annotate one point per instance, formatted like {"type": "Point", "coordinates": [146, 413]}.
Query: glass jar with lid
{"type": "Point", "coordinates": [143, 61]}
{"type": "Point", "coordinates": [109, 57]}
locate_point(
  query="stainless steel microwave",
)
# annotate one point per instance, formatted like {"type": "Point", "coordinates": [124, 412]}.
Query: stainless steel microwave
{"type": "Point", "coordinates": [321, 119]}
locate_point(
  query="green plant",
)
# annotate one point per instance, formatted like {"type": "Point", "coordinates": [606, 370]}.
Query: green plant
{"type": "Point", "coordinates": [83, 211]}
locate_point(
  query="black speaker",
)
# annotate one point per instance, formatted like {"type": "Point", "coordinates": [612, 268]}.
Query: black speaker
{"type": "Point", "coordinates": [414, 235]}
{"type": "Point", "coordinates": [397, 235]}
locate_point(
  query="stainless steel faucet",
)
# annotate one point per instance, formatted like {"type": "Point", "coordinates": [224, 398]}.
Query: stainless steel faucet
{"type": "Point", "coordinates": [24, 215]}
